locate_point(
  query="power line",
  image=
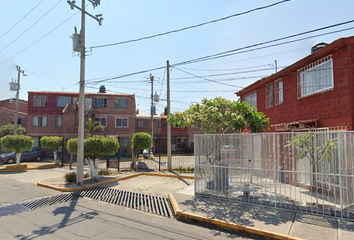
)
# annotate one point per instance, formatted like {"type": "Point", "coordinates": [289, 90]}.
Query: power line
{"type": "Point", "coordinates": [21, 19]}
{"type": "Point", "coordinates": [30, 26]}
{"type": "Point", "coordinates": [224, 70]}
{"type": "Point", "coordinates": [189, 27]}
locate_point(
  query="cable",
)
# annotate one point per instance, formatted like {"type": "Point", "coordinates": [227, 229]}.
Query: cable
{"type": "Point", "coordinates": [189, 27]}
{"type": "Point", "coordinates": [224, 70]}
{"type": "Point", "coordinates": [30, 27]}
{"type": "Point", "coordinates": [38, 39]}
{"type": "Point", "coordinates": [21, 19]}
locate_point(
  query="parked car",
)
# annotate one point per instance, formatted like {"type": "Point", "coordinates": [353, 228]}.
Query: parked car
{"type": "Point", "coordinates": [34, 155]}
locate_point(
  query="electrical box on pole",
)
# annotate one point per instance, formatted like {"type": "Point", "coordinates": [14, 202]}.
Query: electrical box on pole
{"type": "Point", "coordinates": [156, 97]}
{"type": "Point", "coordinates": [13, 86]}
{"type": "Point", "coordinates": [77, 42]}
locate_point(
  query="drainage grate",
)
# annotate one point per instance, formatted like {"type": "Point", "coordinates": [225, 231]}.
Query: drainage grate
{"type": "Point", "coordinates": [138, 201]}
{"type": "Point", "coordinates": [48, 201]}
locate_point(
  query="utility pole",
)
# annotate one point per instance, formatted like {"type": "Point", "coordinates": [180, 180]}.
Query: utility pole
{"type": "Point", "coordinates": [80, 147]}
{"type": "Point", "coordinates": [276, 66]}
{"type": "Point", "coordinates": [169, 153]}
{"type": "Point", "coordinates": [17, 95]}
{"type": "Point", "coordinates": [152, 115]}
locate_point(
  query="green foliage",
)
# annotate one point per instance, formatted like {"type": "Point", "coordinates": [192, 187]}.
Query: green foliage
{"type": "Point", "coordinates": [86, 175]}
{"type": "Point", "coordinates": [51, 142]}
{"type": "Point", "coordinates": [220, 115]}
{"type": "Point", "coordinates": [70, 177]}
{"type": "Point", "coordinates": [104, 172]}
{"type": "Point", "coordinates": [186, 170]}
{"type": "Point", "coordinates": [95, 147]}
{"type": "Point", "coordinates": [92, 126]}
{"type": "Point", "coordinates": [9, 130]}
{"type": "Point", "coordinates": [17, 143]}
{"type": "Point", "coordinates": [141, 141]}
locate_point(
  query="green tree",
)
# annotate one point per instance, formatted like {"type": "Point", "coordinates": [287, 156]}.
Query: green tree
{"type": "Point", "coordinates": [140, 141]}
{"type": "Point", "coordinates": [53, 143]}
{"type": "Point", "coordinates": [94, 148]}
{"type": "Point", "coordinates": [9, 130]}
{"type": "Point", "coordinates": [18, 144]}
{"type": "Point", "coordinates": [220, 115]}
{"type": "Point", "coordinates": [306, 147]}
{"type": "Point", "coordinates": [92, 126]}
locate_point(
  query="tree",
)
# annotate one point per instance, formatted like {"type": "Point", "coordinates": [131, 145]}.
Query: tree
{"type": "Point", "coordinates": [94, 148]}
{"type": "Point", "coordinates": [52, 142]}
{"type": "Point", "coordinates": [9, 130]}
{"type": "Point", "coordinates": [140, 142]}
{"type": "Point", "coordinates": [92, 126]}
{"type": "Point", "coordinates": [220, 115]}
{"type": "Point", "coordinates": [18, 144]}
{"type": "Point", "coordinates": [305, 147]}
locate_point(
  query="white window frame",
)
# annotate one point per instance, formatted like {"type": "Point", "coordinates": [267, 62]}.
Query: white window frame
{"type": "Point", "coordinates": [251, 99]}
{"type": "Point", "coordinates": [62, 101]}
{"type": "Point", "coordinates": [99, 119]}
{"type": "Point", "coordinates": [58, 123]}
{"type": "Point", "coordinates": [278, 92]}
{"type": "Point", "coordinates": [40, 101]}
{"type": "Point", "coordinates": [36, 121]}
{"type": "Point", "coordinates": [122, 125]}
{"type": "Point", "coordinates": [124, 103]}
{"type": "Point", "coordinates": [270, 95]}
{"type": "Point", "coordinates": [316, 77]}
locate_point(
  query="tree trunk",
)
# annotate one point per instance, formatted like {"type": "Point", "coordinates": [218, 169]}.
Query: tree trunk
{"type": "Point", "coordinates": [93, 163]}
{"type": "Point", "coordinates": [18, 158]}
{"type": "Point", "coordinates": [56, 157]}
{"type": "Point", "coordinates": [135, 157]}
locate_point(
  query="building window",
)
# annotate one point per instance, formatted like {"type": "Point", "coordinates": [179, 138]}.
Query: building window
{"type": "Point", "coordinates": [58, 121]}
{"type": "Point", "coordinates": [163, 124]}
{"type": "Point", "coordinates": [252, 100]}
{"type": "Point", "coordinates": [143, 124]}
{"type": "Point", "coordinates": [35, 141]}
{"type": "Point", "coordinates": [63, 101]}
{"type": "Point", "coordinates": [103, 121]}
{"type": "Point", "coordinates": [121, 103]}
{"type": "Point", "coordinates": [122, 122]}
{"type": "Point", "coordinates": [100, 102]}
{"type": "Point", "coordinates": [39, 121]}
{"type": "Point", "coordinates": [40, 101]}
{"type": "Point", "coordinates": [158, 124]}
{"type": "Point", "coordinates": [124, 142]}
{"type": "Point", "coordinates": [316, 77]}
{"type": "Point", "coordinates": [278, 92]}
{"type": "Point", "coordinates": [269, 95]}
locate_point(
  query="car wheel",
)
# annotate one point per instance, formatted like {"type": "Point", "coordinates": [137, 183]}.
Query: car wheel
{"type": "Point", "coordinates": [39, 159]}
{"type": "Point", "coordinates": [10, 161]}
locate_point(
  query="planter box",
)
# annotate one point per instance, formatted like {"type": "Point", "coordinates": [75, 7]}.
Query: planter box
{"type": "Point", "coordinates": [17, 167]}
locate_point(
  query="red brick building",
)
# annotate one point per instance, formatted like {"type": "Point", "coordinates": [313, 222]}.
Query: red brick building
{"type": "Point", "coordinates": [8, 109]}
{"type": "Point", "coordinates": [55, 114]}
{"type": "Point", "coordinates": [315, 92]}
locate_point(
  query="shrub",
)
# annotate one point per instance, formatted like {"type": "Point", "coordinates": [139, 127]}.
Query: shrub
{"type": "Point", "coordinates": [104, 172]}
{"type": "Point", "coordinates": [86, 175]}
{"type": "Point", "coordinates": [17, 143]}
{"type": "Point", "coordinates": [51, 142]}
{"type": "Point", "coordinates": [70, 177]}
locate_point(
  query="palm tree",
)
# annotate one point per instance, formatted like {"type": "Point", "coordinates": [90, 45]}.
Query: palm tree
{"type": "Point", "coordinates": [91, 126]}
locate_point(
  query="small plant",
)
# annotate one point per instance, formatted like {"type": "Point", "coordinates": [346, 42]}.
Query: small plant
{"type": "Point", "coordinates": [188, 169]}
{"type": "Point", "coordinates": [70, 177]}
{"type": "Point", "coordinates": [86, 175]}
{"type": "Point", "coordinates": [192, 169]}
{"type": "Point", "coordinates": [180, 168]}
{"type": "Point", "coordinates": [104, 172]}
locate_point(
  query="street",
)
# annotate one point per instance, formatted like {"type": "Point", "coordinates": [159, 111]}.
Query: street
{"type": "Point", "coordinates": [87, 219]}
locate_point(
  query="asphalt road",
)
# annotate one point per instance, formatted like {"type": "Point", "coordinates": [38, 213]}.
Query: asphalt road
{"type": "Point", "coordinates": [89, 219]}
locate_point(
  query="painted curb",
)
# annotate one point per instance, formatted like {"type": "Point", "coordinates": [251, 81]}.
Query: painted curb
{"type": "Point", "coordinates": [226, 225]}
{"type": "Point", "coordinates": [29, 168]}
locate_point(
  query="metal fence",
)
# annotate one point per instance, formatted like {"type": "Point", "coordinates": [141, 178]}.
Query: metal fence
{"type": "Point", "coordinates": [267, 169]}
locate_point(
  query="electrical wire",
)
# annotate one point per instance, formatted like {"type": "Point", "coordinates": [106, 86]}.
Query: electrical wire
{"type": "Point", "coordinates": [30, 27]}
{"type": "Point", "coordinates": [189, 27]}
{"type": "Point", "coordinates": [21, 19]}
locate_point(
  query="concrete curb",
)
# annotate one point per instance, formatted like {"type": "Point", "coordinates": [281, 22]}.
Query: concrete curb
{"type": "Point", "coordinates": [226, 225]}
{"type": "Point", "coordinates": [29, 168]}
{"type": "Point", "coordinates": [63, 189]}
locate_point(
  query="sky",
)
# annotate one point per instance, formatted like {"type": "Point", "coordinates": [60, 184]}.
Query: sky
{"type": "Point", "coordinates": [36, 35]}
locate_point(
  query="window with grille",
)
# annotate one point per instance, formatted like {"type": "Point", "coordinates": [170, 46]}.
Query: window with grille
{"type": "Point", "coordinates": [143, 124]}
{"type": "Point", "coordinates": [124, 142]}
{"type": "Point", "coordinates": [316, 77]}
{"type": "Point", "coordinates": [39, 121]}
{"type": "Point", "coordinates": [100, 102]}
{"type": "Point", "coordinates": [122, 122]}
{"type": "Point", "coordinates": [252, 100]}
{"type": "Point", "coordinates": [63, 101]}
{"type": "Point", "coordinates": [269, 95]}
{"type": "Point", "coordinates": [278, 92]}
{"type": "Point", "coordinates": [121, 103]}
{"type": "Point", "coordinates": [103, 121]}
{"type": "Point", "coordinates": [40, 101]}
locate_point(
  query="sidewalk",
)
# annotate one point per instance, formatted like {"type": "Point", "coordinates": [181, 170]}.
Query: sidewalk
{"type": "Point", "coordinates": [259, 220]}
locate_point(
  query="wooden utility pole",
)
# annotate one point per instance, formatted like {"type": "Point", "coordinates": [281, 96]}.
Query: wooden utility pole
{"type": "Point", "coordinates": [17, 96]}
